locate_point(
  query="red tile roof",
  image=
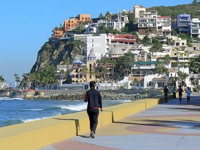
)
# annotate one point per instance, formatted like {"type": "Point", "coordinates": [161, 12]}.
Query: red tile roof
{"type": "Point", "coordinates": [127, 36]}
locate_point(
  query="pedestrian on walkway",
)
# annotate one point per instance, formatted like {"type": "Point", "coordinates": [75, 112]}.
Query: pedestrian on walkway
{"type": "Point", "coordinates": [174, 91]}
{"type": "Point", "coordinates": [188, 94]}
{"type": "Point", "coordinates": [93, 97]}
{"type": "Point", "coordinates": [180, 93]}
{"type": "Point", "coordinates": [166, 92]}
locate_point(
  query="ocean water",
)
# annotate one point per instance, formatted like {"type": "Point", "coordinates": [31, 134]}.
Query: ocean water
{"type": "Point", "coordinates": [15, 111]}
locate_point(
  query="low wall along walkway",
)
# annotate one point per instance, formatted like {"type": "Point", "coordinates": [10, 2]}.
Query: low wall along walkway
{"type": "Point", "coordinates": [38, 134]}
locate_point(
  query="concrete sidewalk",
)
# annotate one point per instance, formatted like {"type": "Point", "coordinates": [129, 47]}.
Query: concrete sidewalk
{"type": "Point", "coordinates": [171, 126]}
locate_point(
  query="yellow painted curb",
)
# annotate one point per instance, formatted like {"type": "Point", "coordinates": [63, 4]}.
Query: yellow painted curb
{"type": "Point", "coordinates": [38, 134]}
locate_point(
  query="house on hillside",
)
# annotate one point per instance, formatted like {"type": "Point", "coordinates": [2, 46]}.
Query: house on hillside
{"type": "Point", "coordinates": [183, 23]}
{"type": "Point", "coordinates": [195, 28]}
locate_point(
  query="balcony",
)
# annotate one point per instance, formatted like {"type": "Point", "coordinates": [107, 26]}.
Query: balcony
{"type": "Point", "coordinates": [144, 67]}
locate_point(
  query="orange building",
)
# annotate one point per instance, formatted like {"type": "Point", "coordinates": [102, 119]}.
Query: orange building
{"type": "Point", "coordinates": [70, 23]}
{"type": "Point", "coordinates": [73, 22]}
{"type": "Point", "coordinates": [57, 33]}
{"type": "Point", "coordinates": [84, 17]}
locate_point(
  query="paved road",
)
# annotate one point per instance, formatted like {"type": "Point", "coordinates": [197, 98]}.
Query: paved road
{"type": "Point", "coordinates": [171, 126]}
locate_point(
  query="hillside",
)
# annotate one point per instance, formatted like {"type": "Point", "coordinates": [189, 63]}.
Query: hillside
{"type": "Point", "coordinates": [55, 53]}
{"type": "Point", "coordinates": [173, 11]}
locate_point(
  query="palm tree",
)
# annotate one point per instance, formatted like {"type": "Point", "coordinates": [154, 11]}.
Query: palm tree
{"type": "Point", "coordinates": [67, 62]}
{"type": "Point", "coordinates": [172, 80]}
{"type": "Point", "coordinates": [195, 64]}
{"type": "Point", "coordinates": [108, 16]}
{"type": "Point", "coordinates": [182, 76]}
{"type": "Point", "coordinates": [25, 82]}
{"type": "Point", "coordinates": [125, 63]}
{"type": "Point", "coordinates": [135, 81]}
{"type": "Point", "coordinates": [167, 59]}
{"type": "Point", "coordinates": [100, 15]}
{"type": "Point", "coordinates": [85, 73]}
{"type": "Point", "coordinates": [160, 68]}
{"type": "Point", "coordinates": [17, 80]}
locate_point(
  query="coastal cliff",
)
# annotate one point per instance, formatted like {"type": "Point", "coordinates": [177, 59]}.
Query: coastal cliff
{"type": "Point", "coordinates": [58, 52]}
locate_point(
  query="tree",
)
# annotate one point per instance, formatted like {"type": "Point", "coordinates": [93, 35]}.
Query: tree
{"type": "Point", "coordinates": [167, 59]}
{"type": "Point", "coordinates": [17, 80]}
{"type": "Point", "coordinates": [25, 81]}
{"type": "Point", "coordinates": [146, 40]}
{"type": "Point", "coordinates": [194, 2]}
{"type": "Point", "coordinates": [85, 73]}
{"type": "Point", "coordinates": [195, 82]}
{"type": "Point", "coordinates": [68, 79]}
{"type": "Point", "coordinates": [172, 80]}
{"type": "Point", "coordinates": [108, 16]}
{"type": "Point", "coordinates": [2, 78]}
{"type": "Point", "coordinates": [79, 29]}
{"type": "Point", "coordinates": [195, 64]}
{"type": "Point", "coordinates": [135, 81]}
{"type": "Point", "coordinates": [157, 47]}
{"type": "Point", "coordinates": [100, 15]}
{"type": "Point", "coordinates": [182, 76]}
{"type": "Point", "coordinates": [125, 63]}
{"type": "Point", "coordinates": [149, 30]}
{"type": "Point", "coordinates": [160, 68]}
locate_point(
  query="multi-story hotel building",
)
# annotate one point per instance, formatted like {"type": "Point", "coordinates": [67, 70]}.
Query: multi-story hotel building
{"type": "Point", "coordinates": [183, 23]}
{"type": "Point", "coordinates": [74, 21]}
{"type": "Point", "coordinates": [147, 20]}
{"type": "Point", "coordinates": [138, 10]}
{"type": "Point", "coordinates": [98, 44]}
{"type": "Point", "coordinates": [195, 28]}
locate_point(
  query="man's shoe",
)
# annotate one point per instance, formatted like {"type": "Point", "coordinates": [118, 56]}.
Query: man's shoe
{"type": "Point", "coordinates": [92, 135]}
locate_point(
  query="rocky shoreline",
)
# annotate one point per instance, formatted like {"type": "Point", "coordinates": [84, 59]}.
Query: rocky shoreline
{"type": "Point", "coordinates": [78, 95]}
{"type": "Point", "coordinates": [106, 95]}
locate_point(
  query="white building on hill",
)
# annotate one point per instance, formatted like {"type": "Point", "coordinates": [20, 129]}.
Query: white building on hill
{"type": "Point", "coordinates": [98, 44]}
{"type": "Point", "coordinates": [195, 28]}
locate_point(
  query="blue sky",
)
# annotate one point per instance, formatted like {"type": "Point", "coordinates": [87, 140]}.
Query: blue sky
{"type": "Point", "coordinates": [26, 24]}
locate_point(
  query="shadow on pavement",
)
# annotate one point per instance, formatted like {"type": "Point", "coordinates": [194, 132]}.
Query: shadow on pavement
{"type": "Point", "coordinates": [166, 123]}
{"type": "Point", "coordinates": [155, 123]}
{"type": "Point", "coordinates": [84, 136]}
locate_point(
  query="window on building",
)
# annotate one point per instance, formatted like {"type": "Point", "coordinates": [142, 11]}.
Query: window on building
{"type": "Point", "coordinates": [195, 31]}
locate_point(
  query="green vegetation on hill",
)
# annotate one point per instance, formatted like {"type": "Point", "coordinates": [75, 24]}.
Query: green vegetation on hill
{"type": "Point", "coordinates": [173, 11]}
{"type": "Point", "coordinates": [55, 53]}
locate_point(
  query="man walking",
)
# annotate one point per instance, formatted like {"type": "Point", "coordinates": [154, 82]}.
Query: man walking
{"type": "Point", "coordinates": [93, 97]}
{"type": "Point", "coordinates": [180, 93]}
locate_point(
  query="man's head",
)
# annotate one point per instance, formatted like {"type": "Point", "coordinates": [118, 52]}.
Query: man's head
{"type": "Point", "coordinates": [92, 84]}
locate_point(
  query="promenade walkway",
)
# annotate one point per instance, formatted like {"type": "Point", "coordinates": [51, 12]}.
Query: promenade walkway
{"type": "Point", "coordinates": [171, 126]}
